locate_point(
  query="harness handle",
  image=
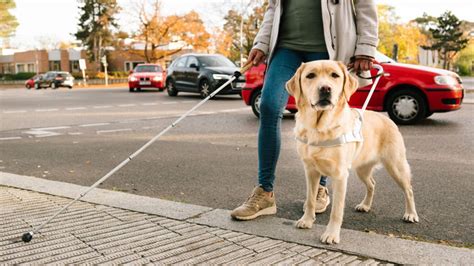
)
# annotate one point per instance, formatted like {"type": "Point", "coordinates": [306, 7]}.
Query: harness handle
{"type": "Point", "coordinates": [374, 85]}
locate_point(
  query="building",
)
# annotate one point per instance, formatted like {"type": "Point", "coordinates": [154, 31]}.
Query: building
{"type": "Point", "coordinates": [41, 61]}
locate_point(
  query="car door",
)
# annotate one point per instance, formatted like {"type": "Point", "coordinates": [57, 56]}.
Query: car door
{"type": "Point", "coordinates": [192, 73]}
{"type": "Point", "coordinates": [179, 73]}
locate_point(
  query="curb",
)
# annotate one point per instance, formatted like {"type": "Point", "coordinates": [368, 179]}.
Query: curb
{"type": "Point", "coordinates": [376, 246]}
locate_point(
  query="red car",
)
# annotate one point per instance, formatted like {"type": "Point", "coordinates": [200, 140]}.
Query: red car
{"type": "Point", "coordinates": [30, 83]}
{"type": "Point", "coordinates": [408, 93]}
{"type": "Point", "coordinates": [146, 76]}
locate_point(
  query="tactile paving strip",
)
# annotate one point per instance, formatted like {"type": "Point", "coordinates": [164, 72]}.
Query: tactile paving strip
{"type": "Point", "coordinates": [94, 234]}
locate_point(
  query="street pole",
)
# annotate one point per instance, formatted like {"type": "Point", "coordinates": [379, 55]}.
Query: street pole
{"type": "Point", "coordinates": [104, 62]}
{"type": "Point", "coordinates": [242, 33]}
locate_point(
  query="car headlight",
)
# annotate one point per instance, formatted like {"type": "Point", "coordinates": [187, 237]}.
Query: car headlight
{"type": "Point", "coordinates": [157, 78]}
{"type": "Point", "coordinates": [132, 78]}
{"type": "Point", "coordinates": [446, 80]}
{"type": "Point", "coordinates": [221, 76]}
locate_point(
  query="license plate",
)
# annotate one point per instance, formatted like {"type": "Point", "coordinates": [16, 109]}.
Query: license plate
{"type": "Point", "coordinates": [238, 85]}
{"type": "Point", "coordinates": [145, 82]}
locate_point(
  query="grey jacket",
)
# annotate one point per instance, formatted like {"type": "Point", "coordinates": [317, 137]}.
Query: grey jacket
{"type": "Point", "coordinates": [350, 28]}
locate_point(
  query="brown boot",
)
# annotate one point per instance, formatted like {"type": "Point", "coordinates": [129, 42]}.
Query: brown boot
{"type": "Point", "coordinates": [259, 203]}
{"type": "Point", "coordinates": [322, 199]}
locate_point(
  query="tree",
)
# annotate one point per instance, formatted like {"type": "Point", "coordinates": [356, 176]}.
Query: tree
{"type": "Point", "coordinates": [249, 28]}
{"type": "Point", "coordinates": [167, 35]}
{"type": "Point", "coordinates": [8, 22]}
{"type": "Point", "coordinates": [447, 38]}
{"type": "Point", "coordinates": [407, 37]}
{"type": "Point", "coordinates": [95, 26]}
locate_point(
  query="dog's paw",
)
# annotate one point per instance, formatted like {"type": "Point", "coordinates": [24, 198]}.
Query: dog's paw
{"type": "Point", "coordinates": [362, 208]}
{"type": "Point", "coordinates": [304, 223]}
{"type": "Point", "coordinates": [411, 218]}
{"type": "Point", "coordinates": [330, 237]}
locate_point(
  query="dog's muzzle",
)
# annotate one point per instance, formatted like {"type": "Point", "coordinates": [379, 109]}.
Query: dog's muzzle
{"type": "Point", "coordinates": [324, 97]}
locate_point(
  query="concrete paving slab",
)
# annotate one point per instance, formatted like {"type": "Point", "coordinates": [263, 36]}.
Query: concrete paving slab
{"type": "Point", "coordinates": [174, 224]}
{"type": "Point", "coordinates": [148, 239]}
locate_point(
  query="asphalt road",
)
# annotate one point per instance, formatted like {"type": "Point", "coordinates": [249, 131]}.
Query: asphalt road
{"type": "Point", "coordinates": [210, 159]}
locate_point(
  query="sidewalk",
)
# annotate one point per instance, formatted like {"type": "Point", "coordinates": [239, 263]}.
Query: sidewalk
{"type": "Point", "coordinates": [116, 228]}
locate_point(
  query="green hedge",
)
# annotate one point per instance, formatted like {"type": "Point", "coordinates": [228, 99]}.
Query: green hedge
{"type": "Point", "coordinates": [18, 76]}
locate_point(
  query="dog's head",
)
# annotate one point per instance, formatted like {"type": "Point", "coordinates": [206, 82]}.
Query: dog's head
{"type": "Point", "coordinates": [322, 85]}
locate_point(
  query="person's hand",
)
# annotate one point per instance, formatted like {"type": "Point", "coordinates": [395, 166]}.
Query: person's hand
{"type": "Point", "coordinates": [362, 63]}
{"type": "Point", "coordinates": [256, 57]}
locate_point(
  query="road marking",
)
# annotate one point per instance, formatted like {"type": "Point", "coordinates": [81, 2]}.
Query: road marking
{"type": "Point", "coordinates": [207, 113]}
{"type": "Point", "coordinates": [50, 128]}
{"type": "Point", "coordinates": [14, 112]}
{"type": "Point", "coordinates": [103, 106]}
{"type": "Point", "coordinates": [46, 110]}
{"type": "Point", "coordinates": [170, 102]}
{"type": "Point", "coordinates": [10, 138]}
{"type": "Point", "coordinates": [113, 130]}
{"type": "Point", "coordinates": [75, 133]}
{"type": "Point", "coordinates": [41, 133]}
{"type": "Point", "coordinates": [75, 108]}
{"type": "Point", "coordinates": [126, 105]}
{"type": "Point", "coordinates": [94, 125]}
{"type": "Point", "coordinates": [148, 104]}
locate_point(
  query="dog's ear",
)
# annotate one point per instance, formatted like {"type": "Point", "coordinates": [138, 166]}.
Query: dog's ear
{"type": "Point", "coordinates": [293, 86]}
{"type": "Point", "coordinates": [350, 82]}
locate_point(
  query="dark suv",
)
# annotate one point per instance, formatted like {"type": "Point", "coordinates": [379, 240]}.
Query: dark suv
{"type": "Point", "coordinates": [55, 79]}
{"type": "Point", "coordinates": [202, 73]}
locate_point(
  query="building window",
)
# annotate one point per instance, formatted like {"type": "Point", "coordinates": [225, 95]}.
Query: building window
{"type": "Point", "coordinates": [20, 68]}
{"type": "Point", "coordinates": [130, 65]}
{"type": "Point", "coordinates": [31, 67]}
{"type": "Point", "coordinates": [54, 65]}
{"type": "Point", "coordinates": [74, 66]}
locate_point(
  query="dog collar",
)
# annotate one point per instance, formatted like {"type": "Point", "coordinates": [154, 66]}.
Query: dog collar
{"type": "Point", "coordinates": [353, 136]}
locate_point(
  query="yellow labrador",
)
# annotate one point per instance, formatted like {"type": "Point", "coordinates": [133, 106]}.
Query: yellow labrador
{"type": "Point", "coordinates": [331, 140]}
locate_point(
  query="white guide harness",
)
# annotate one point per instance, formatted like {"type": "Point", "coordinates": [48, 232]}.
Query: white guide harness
{"type": "Point", "coordinates": [356, 134]}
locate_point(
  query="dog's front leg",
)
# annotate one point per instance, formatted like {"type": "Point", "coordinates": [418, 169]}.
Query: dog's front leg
{"type": "Point", "coordinates": [333, 229]}
{"type": "Point", "coordinates": [312, 186]}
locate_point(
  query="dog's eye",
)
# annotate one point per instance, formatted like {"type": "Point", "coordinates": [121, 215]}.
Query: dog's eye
{"type": "Point", "coordinates": [334, 75]}
{"type": "Point", "coordinates": [311, 76]}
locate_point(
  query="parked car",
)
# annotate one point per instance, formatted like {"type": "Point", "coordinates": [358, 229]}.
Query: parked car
{"type": "Point", "coordinates": [202, 73]}
{"type": "Point", "coordinates": [55, 79]}
{"type": "Point", "coordinates": [30, 83]}
{"type": "Point", "coordinates": [408, 93]}
{"type": "Point", "coordinates": [146, 76]}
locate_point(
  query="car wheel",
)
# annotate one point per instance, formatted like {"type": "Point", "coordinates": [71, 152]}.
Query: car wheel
{"type": "Point", "coordinates": [255, 102]}
{"type": "Point", "coordinates": [428, 114]}
{"type": "Point", "coordinates": [171, 88]}
{"type": "Point", "coordinates": [53, 86]}
{"type": "Point", "coordinates": [131, 89]}
{"type": "Point", "coordinates": [406, 107]}
{"type": "Point", "coordinates": [204, 88]}
{"type": "Point", "coordinates": [70, 87]}
{"type": "Point", "coordinates": [28, 86]}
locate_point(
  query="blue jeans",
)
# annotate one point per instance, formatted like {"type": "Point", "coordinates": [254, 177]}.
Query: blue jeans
{"type": "Point", "coordinates": [282, 67]}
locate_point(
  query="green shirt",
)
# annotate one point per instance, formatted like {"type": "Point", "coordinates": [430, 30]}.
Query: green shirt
{"type": "Point", "coordinates": [301, 26]}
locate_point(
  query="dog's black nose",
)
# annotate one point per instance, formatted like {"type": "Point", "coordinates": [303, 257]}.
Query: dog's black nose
{"type": "Point", "coordinates": [325, 91]}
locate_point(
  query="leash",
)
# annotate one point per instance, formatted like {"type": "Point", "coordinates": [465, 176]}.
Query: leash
{"type": "Point", "coordinates": [374, 85]}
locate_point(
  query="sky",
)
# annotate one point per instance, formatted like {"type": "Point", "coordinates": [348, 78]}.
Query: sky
{"type": "Point", "coordinates": [46, 21]}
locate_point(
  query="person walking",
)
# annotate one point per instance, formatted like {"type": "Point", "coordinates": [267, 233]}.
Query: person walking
{"type": "Point", "coordinates": [294, 32]}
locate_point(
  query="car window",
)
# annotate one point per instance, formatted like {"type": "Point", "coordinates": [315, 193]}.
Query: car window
{"type": "Point", "coordinates": [181, 62]}
{"type": "Point", "coordinates": [192, 60]}
{"type": "Point", "coordinates": [148, 68]}
{"type": "Point", "coordinates": [215, 61]}
{"type": "Point", "coordinates": [64, 74]}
